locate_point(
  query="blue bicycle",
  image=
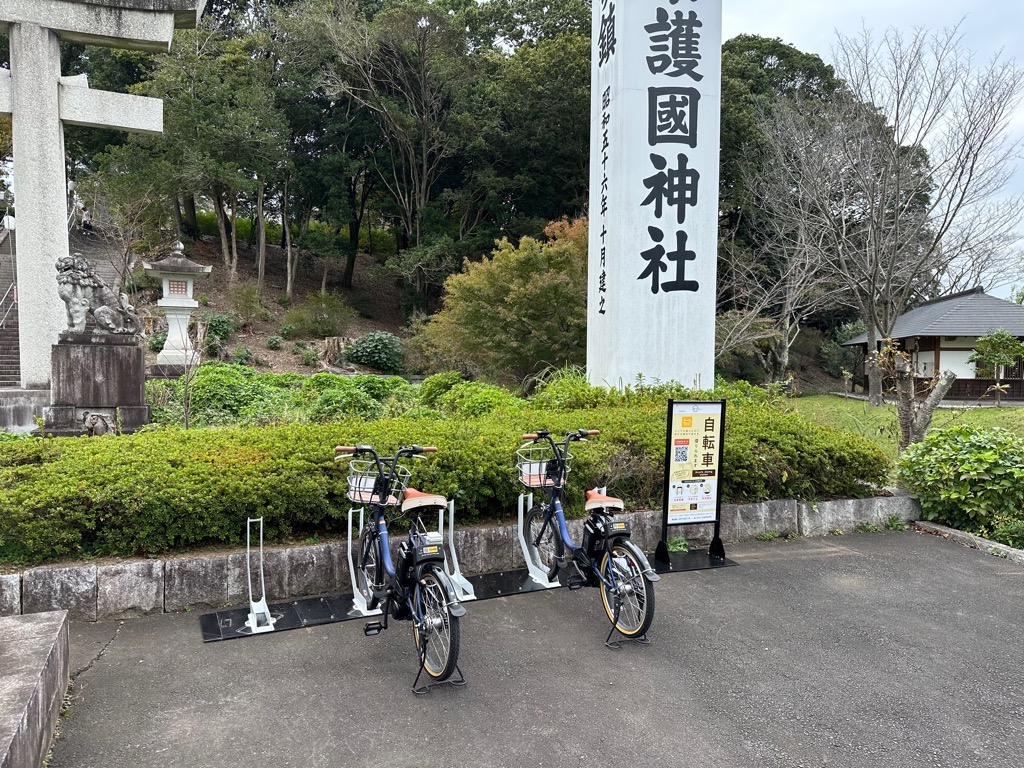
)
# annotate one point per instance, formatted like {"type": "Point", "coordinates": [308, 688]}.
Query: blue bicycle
{"type": "Point", "coordinates": [606, 558]}
{"type": "Point", "coordinates": [417, 588]}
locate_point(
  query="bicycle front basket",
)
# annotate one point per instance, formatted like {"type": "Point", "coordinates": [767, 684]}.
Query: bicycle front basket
{"type": "Point", "coordinates": [533, 462]}
{"type": "Point", "coordinates": [362, 479]}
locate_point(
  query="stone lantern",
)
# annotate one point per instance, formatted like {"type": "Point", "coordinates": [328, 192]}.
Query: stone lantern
{"type": "Point", "coordinates": [178, 274]}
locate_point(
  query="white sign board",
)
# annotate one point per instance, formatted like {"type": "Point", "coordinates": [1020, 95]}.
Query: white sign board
{"type": "Point", "coordinates": [693, 462]}
{"type": "Point", "coordinates": [655, 114]}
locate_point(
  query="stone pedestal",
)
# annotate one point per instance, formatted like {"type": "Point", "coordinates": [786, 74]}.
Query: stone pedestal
{"type": "Point", "coordinates": [101, 374]}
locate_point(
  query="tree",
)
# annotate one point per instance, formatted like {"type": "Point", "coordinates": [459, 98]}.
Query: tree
{"type": "Point", "coordinates": [893, 180]}
{"type": "Point", "coordinates": [913, 413]}
{"type": "Point", "coordinates": [997, 350]}
{"type": "Point", "coordinates": [514, 23]}
{"type": "Point", "coordinates": [404, 67]}
{"type": "Point", "coordinates": [516, 312]}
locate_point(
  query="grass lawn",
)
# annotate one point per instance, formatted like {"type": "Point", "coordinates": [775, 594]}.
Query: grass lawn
{"type": "Point", "coordinates": [880, 425]}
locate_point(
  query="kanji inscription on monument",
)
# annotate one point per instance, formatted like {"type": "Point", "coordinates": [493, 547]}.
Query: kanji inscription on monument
{"type": "Point", "coordinates": [656, 80]}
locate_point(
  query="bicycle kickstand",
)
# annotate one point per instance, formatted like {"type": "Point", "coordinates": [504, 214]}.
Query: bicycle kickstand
{"type": "Point", "coordinates": [419, 690]}
{"type": "Point", "coordinates": [617, 645]}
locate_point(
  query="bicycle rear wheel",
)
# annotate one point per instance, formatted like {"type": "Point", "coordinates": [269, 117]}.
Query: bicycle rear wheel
{"type": "Point", "coordinates": [370, 571]}
{"type": "Point", "coordinates": [635, 592]}
{"type": "Point", "coordinates": [547, 553]}
{"type": "Point", "coordinates": [436, 634]}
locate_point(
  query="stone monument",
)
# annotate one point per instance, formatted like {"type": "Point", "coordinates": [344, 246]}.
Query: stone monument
{"type": "Point", "coordinates": [98, 381]}
{"type": "Point", "coordinates": [655, 111]}
{"type": "Point", "coordinates": [39, 101]}
{"type": "Point", "coordinates": [177, 275]}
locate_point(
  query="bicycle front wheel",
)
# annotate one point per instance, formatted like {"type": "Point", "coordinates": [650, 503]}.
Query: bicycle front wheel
{"type": "Point", "coordinates": [436, 632]}
{"type": "Point", "coordinates": [370, 571]}
{"type": "Point", "coordinates": [547, 552]}
{"type": "Point", "coordinates": [633, 592]}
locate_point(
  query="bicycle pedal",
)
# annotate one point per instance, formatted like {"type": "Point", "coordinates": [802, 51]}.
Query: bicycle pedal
{"type": "Point", "coordinates": [372, 628]}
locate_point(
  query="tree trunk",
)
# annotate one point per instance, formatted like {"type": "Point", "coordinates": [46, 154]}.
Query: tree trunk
{"type": "Point", "coordinates": [872, 368]}
{"type": "Point", "coordinates": [234, 236]}
{"type": "Point", "coordinates": [353, 252]}
{"type": "Point", "coordinates": [179, 222]}
{"type": "Point", "coordinates": [222, 227]}
{"type": "Point", "coordinates": [914, 415]}
{"type": "Point", "coordinates": [287, 226]}
{"type": "Point", "coordinates": [190, 215]}
{"type": "Point", "coordinates": [261, 245]}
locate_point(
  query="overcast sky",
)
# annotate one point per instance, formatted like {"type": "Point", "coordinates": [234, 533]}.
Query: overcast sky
{"type": "Point", "coordinates": [989, 27]}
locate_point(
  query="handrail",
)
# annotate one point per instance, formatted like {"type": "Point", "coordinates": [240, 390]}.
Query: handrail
{"type": "Point", "coordinates": [14, 303]}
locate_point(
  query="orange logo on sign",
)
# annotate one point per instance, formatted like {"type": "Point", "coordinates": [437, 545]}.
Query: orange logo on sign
{"type": "Point", "coordinates": [686, 421]}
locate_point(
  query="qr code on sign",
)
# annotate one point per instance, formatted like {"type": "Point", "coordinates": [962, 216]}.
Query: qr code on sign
{"type": "Point", "coordinates": [682, 455]}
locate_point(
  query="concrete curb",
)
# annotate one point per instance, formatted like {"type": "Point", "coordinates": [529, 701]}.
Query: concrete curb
{"type": "Point", "coordinates": [974, 542]}
{"type": "Point", "coordinates": [140, 587]}
{"type": "Point", "coordinates": [33, 678]}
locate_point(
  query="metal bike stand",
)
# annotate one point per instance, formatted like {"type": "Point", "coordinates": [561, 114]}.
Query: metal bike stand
{"type": "Point", "coordinates": [419, 690]}
{"type": "Point", "coordinates": [358, 601]}
{"type": "Point", "coordinates": [462, 586]}
{"type": "Point", "coordinates": [259, 619]}
{"type": "Point", "coordinates": [538, 575]}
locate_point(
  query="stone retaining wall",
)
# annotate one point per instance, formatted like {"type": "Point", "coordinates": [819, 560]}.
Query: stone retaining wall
{"type": "Point", "coordinates": [140, 587]}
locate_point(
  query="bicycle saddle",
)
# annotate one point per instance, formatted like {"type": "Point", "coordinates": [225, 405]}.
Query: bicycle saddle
{"type": "Point", "coordinates": [416, 499]}
{"type": "Point", "coordinates": [597, 500]}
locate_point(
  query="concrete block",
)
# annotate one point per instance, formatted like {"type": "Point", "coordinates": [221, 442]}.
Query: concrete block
{"type": "Point", "coordinates": [319, 569]}
{"type": "Point", "coordinates": [72, 589]}
{"type": "Point", "coordinates": [275, 575]}
{"type": "Point", "coordinates": [10, 594]}
{"type": "Point", "coordinates": [33, 680]}
{"type": "Point", "coordinates": [747, 521]}
{"type": "Point", "coordinates": [133, 588]}
{"type": "Point", "coordinates": [195, 581]}
{"type": "Point", "coordinates": [822, 517]}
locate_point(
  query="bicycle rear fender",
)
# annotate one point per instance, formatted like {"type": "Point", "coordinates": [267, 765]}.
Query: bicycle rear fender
{"type": "Point", "coordinates": [645, 564]}
{"type": "Point", "coordinates": [454, 606]}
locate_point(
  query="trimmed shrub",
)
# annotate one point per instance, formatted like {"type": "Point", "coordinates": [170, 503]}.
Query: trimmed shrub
{"type": "Point", "coordinates": [345, 403]}
{"type": "Point", "coordinates": [378, 349]}
{"type": "Point", "coordinates": [967, 477]}
{"type": "Point", "coordinates": [166, 489]}
{"type": "Point", "coordinates": [245, 301]}
{"type": "Point", "coordinates": [156, 341]}
{"type": "Point", "coordinates": [219, 328]}
{"type": "Point", "coordinates": [274, 342]}
{"type": "Point", "coordinates": [319, 316]}
{"type": "Point", "coordinates": [227, 389]}
{"type": "Point", "coordinates": [475, 398]}
{"type": "Point", "coordinates": [434, 386]}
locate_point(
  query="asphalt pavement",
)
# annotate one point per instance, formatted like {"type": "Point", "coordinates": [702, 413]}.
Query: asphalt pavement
{"type": "Point", "coordinates": [881, 650]}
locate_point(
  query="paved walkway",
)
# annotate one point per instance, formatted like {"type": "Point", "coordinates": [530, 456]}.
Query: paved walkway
{"type": "Point", "coordinates": [872, 650]}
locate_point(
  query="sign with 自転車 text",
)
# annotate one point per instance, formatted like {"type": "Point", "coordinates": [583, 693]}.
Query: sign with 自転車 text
{"type": "Point", "coordinates": [655, 114]}
{"type": "Point", "coordinates": [693, 462]}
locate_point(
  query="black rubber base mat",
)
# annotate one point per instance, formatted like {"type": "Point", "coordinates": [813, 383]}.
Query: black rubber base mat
{"type": "Point", "coordinates": [230, 624]}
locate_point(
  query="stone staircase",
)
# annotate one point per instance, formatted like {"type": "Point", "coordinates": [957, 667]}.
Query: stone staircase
{"type": "Point", "coordinates": [10, 362]}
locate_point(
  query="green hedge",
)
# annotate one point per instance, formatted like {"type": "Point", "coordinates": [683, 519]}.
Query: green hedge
{"type": "Point", "coordinates": [169, 489]}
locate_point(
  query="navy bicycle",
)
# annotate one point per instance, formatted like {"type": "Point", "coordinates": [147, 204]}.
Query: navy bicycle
{"type": "Point", "coordinates": [416, 588]}
{"type": "Point", "coordinates": [606, 558]}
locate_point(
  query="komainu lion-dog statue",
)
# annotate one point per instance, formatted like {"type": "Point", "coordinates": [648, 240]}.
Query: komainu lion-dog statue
{"type": "Point", "coordinates": [84, 293]}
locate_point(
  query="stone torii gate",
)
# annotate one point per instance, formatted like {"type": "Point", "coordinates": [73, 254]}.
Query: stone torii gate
{"type": "Point", "coordinates": [39, 102]}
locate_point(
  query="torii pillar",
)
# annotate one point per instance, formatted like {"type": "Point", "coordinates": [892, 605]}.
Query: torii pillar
{"type": "Point", "coordinates": [39, 102]}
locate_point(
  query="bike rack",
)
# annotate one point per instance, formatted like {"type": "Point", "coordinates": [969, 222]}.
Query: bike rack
{"type": "Point", "coordinates": [259, 619]}
{"type": "Point", "coordinates": [462, 586]}
{"type": "Point", "coordinates": [538, 575]}
{"type": "Point", "coordinates": [358, 601]}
